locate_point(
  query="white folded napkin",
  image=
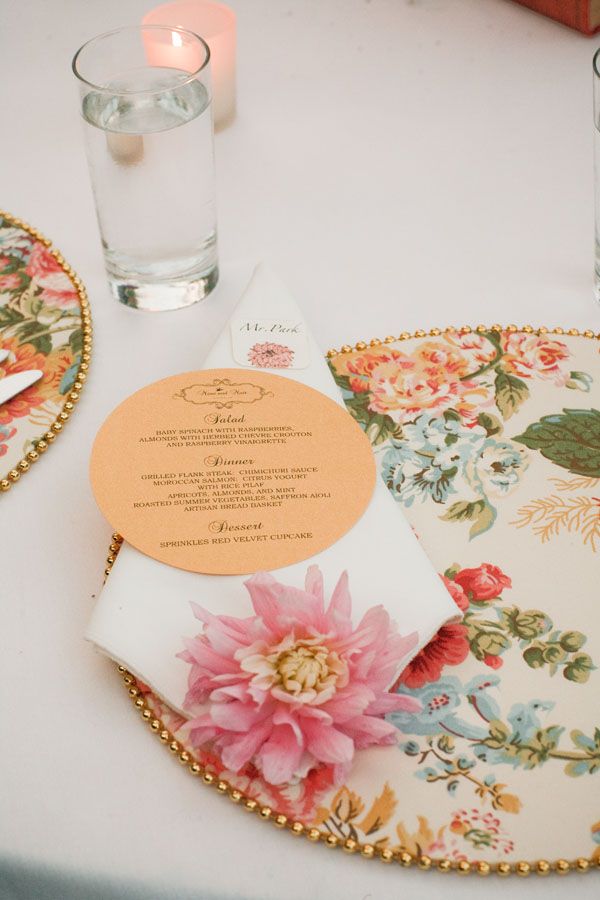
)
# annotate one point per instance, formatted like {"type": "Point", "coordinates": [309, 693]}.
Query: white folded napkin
{"type": "Point", "coordinates": [144, 611]}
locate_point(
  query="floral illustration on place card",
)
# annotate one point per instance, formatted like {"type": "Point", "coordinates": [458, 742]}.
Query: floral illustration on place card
{"type": "Point", "coordinates": [270, 343]}
{"type": "Point", "coordinates": [269, 355]}
{"type": "Point", "coordinates": [437, 415]}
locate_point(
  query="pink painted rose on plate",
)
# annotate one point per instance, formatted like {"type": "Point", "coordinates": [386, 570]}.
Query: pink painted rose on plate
{"type": "Point", "coordinates": [529, 355]}
{"type": "Point", "coordinates": [57, 288]}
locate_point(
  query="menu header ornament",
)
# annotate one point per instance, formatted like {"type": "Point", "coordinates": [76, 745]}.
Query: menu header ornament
{"type": "Point", "coordinates": [222, 393]}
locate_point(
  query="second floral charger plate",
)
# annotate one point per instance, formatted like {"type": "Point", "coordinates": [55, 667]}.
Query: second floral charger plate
{"type": "Point", "coordinates": [45, 325]}
{"type": "Point", "coordinates": [489, 440]}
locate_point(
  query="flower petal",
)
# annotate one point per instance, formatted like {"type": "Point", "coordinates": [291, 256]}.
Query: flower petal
{"type": "Point", "coordinates": [265, 593]}
{"type": "Point", "coordinates": [280, 755]}
{"type": "Point", "coordinates": [349, 702]}
{"type": "Point", "coordinates": [282, 716]}
{"type": "Point", "coordinates": [207, 658]}
{"type": "Point", "coordinates": [241, 750]}
{"type": "Point", "coordinates": [340, 605]}
{"type": "Point", "coordinates": [226, 692]}
{"type": "Point", "coordinates": [201, 730]}
{"type": "Point", "coordinates": [328, 744]}
{"type": "Point", "coordinates": [391, 702]}
{"type": "Point", "coordinates": [236, 716]}
{"type": "Point", "coordinates": [313, 583]}
{"type": "Point", "coordinates": [369, 730]}
{"type": "Point", "coordinates": [249, 713]}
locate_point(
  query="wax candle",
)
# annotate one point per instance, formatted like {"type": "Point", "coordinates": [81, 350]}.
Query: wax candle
{"type": "Point", "coordinates": [216, 24]}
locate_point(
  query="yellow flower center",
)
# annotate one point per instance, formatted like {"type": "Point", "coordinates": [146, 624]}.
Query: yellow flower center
{"type": "Point", "coordinates": [305, 670]}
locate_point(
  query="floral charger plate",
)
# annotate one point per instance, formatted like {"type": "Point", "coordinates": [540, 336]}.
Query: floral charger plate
{"type": "Point", "coordinates": [489, 440]}
{"type": "Point", "coordinates": [45, 324]}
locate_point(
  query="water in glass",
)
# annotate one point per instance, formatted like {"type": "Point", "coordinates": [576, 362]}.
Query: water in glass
{"type": "Point", "coordinates": [151, 160]}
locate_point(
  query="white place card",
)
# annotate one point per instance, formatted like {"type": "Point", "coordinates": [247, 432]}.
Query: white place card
{"type": "Point", "coordinates": [269, 343]}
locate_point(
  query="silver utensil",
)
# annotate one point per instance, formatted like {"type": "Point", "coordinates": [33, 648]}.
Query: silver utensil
{"type": "Point", "coordinates": [14, 384]}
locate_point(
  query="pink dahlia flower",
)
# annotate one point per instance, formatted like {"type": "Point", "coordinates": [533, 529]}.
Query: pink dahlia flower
{"type": "Point", "coordinates": [294, 686]}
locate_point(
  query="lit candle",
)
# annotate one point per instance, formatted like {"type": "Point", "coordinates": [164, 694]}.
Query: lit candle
{"type": "Point", "coordinates": [216, 24]}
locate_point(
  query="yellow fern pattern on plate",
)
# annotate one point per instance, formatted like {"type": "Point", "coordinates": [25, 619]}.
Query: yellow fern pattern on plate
{"type": "Point", "coordinates": [578, 513]}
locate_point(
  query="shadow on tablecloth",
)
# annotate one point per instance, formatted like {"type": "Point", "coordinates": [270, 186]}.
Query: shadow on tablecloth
{"type": "Point", "coordinates": [20, 880]}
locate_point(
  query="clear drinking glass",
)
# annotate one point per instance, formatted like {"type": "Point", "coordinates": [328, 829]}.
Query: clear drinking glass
{"type": "Point", "coordinates": [145, 97]}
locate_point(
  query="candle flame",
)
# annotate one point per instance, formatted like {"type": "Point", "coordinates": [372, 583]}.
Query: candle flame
{"type": "Point", "coordinates": [176, 39]}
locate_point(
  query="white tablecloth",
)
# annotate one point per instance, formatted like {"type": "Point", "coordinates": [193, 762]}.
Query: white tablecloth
{"type": "Point", "coordinates": [401, 164]}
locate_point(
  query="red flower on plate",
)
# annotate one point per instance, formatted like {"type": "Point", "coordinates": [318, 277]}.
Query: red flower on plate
{"type": "Point", "coordinates": [449, 647]}
{"type": "Point", "coordinates": [457, 593]}
{"type": "Point", "coordinates": [359, 369]}
{"type": "Point", "coordinates": [494, 662]}
{"type": "Point", "coordinates": [6, 433]}
{"type": "Point", "coordinates": [42, 262]}
{"type": "Point", "coordinates": [46, 271]}
{"type": "Point", "coordinates": [10, 282]}
{"type": "Point", "coordinates": [484, 583]}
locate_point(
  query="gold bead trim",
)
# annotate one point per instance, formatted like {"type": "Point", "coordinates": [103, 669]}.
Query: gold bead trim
{"type": "Point", "coordinates": [317, 835]}
{"type": "Point", "coordinates": [72, 397]}
{"type": "Point", "coordinates": [463, 329]}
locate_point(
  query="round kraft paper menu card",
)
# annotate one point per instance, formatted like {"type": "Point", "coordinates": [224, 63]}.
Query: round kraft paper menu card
{"type": "Point", "coordinates": [227, 472]}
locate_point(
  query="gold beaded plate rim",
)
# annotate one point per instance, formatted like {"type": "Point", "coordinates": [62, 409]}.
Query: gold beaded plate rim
{"type": "Point", "coordinates": [463, 329]}
{"type": "Point", "coordinates": [422, 862]}
{"type": "Point", "coordinates": [47, 439]}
